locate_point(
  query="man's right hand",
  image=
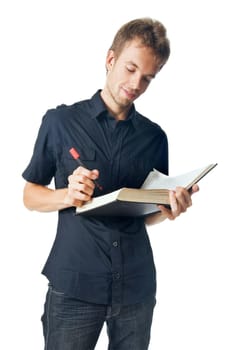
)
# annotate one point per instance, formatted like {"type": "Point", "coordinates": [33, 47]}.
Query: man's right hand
{"type": "Point", "coordinates": [80, 186]}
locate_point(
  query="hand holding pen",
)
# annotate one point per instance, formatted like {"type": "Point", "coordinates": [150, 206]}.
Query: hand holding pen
{"type": "Point", "coordinates": [76, 156]}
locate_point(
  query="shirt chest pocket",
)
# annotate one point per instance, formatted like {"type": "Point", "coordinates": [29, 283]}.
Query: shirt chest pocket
{"type": "Point", "coordinates": [68, 164]}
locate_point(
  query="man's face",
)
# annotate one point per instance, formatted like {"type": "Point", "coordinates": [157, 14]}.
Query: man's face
{"type": "Point", "coordinates": [130, 73]}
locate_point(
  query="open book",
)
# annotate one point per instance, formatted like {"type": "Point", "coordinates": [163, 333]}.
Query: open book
{"type": "Point", "coordinates": [142, 201]}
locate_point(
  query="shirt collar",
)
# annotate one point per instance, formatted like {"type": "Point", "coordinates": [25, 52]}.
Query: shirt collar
{"type": "Point", "coordinates": [99, 107]}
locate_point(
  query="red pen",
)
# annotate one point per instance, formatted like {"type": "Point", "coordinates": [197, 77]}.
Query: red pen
{"type": "Point", "coordinates": [76, 156]}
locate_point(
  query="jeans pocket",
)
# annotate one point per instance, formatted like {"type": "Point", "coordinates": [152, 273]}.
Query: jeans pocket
{"type": "Point", "coordinates": [56, 292]}
{"type": "Point", "coordinates": [69, 323]}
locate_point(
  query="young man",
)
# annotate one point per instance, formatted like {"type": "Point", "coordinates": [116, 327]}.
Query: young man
{"type": "Point", "coordinates": [101, 268]}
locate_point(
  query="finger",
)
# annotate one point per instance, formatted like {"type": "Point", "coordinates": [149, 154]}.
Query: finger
{"type": "Point", "coordinates": [174, 204]}
{"type": "Point", "coordinates": [72, 201]}
{"type": "Point", "coordinates": [81, 187]}
{"type": "Point", "coordinates": [183, 198]}
{"type": "Point", "coordinates": [91, 174]}
{"type": "Point", "coordinates": [166, 212]}
{"type": "Point", "coordinates": [75, 193]}
{"type": "Point", "coordinates": [81, 179]}
{"type": "Point", "coordinates": [195, 188]}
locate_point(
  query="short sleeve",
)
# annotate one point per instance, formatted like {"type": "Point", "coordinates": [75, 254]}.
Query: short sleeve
{"type": "Point", "coordinates": [160, 152]}
{"type": "Point", "coordinates": [163, 151]}
{"type": "Point", "coordinates": [42, 165]}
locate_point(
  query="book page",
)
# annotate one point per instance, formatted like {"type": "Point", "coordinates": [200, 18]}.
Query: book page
{"type": "Point", "coordinates": [157, 180]}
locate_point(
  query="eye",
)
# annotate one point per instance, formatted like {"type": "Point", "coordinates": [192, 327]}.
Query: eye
{"type": "Point", "coordinates": [130, 69]}
{"type": "Point", "coordinates": [147, 79]}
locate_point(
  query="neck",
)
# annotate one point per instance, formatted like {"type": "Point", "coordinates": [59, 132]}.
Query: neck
{"type": "Point", "coordinates": [117, 111]}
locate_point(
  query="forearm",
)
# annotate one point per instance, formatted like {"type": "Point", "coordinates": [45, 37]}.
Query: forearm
{"type": "Point", "coordinates": [41, 198]}
{"type": "Point", "coordinates": [80, 189]}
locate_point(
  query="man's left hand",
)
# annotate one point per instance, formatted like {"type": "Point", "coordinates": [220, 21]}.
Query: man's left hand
{"type": "Point", "coordinates": [180, 201]}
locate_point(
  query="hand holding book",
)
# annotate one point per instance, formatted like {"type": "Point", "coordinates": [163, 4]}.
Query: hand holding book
{"type": "Point", "coordinates": [154, 192]}
{"type": "Point", "coordinates": [180, 200]}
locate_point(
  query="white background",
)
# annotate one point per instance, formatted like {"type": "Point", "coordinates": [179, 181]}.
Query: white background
{"type": "Point", "coordinates": [53, 52]}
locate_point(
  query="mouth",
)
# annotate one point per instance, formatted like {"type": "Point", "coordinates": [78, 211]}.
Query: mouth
{"type": "Point", "coordinates": [131, 95]}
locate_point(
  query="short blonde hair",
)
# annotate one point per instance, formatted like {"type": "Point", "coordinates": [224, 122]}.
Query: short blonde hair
{"type": "Point", "coordinates": [152, 33]}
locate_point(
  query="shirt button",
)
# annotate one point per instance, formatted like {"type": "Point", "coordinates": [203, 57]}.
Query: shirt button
{"type": "Point", "coordinates": [117, 276]}
{"type": "Point", "coordinates": [115, 244]}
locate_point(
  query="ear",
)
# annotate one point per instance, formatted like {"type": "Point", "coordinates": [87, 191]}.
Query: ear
{"type": "Point", "coordinates": [110, 59]}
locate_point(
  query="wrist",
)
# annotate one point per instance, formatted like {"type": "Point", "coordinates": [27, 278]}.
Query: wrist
{"type": "Point", "coordinates": [69, 201]}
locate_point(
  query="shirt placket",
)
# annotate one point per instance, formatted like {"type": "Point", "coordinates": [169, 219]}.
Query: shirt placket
{"type": "Point", "coordinates": [116, 259]}
{"type": "Point", "coordinates": [116, 255]}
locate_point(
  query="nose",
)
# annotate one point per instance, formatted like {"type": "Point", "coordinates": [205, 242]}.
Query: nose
{"type": "Point", "coordinates": [135, 82]}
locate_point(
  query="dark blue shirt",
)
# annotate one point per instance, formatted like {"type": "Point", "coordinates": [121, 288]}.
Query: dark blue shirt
{"type": "Point", "coordinates": [104, 260]}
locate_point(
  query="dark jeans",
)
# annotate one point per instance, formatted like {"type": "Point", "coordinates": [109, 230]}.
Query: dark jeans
{"type": "Point", "coordinates": [71, 324]}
